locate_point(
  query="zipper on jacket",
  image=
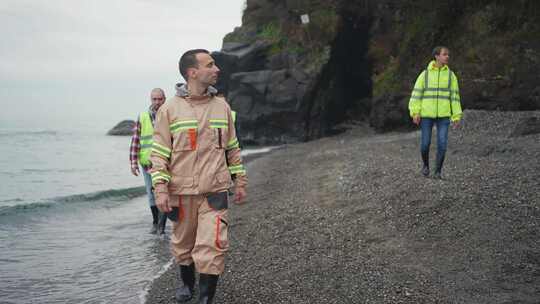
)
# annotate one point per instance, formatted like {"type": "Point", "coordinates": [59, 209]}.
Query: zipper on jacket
{"type": "Point", "coordinates": [438, 80]}
{"type": "Point", "coordinates": [219, 138]}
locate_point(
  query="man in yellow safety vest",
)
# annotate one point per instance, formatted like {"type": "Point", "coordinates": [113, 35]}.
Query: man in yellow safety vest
{"type": "Point", "coordinates": [140, 150]}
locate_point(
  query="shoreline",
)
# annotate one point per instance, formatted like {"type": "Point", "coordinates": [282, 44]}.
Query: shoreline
{"type": "Point", "coordinates": [349, 219]}
{"type": "Point", "coordinates": [166, 270]}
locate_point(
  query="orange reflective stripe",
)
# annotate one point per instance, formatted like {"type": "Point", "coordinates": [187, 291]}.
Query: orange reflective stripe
{"type": "Point", "coordinates": [218, 221]}
{"type": "Point", "coordinates": [193, 138]}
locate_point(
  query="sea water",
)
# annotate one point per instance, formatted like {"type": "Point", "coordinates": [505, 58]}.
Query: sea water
{"type": "Point", "coordinates": [74, 222]}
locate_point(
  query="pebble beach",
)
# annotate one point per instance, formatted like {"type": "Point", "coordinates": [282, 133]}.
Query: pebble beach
{"type": "Point", "coordinates": [350, 219]}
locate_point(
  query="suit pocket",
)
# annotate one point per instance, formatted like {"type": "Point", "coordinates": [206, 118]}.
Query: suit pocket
{"type": "Point", "coordinates": [182, 181]}
{"type": "Point", "coordinates": [222, 228]}
{"type": "Point", "coordinates": [218, 201]}
{"type": "Point", "coordinates": [222, 179]}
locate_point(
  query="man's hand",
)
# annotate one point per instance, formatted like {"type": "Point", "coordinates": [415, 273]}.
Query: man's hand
{"type": "Point", "coordinates": [416, 119]}
{"type": "Point", "coordinates": [455, 124]}
{"type": "Point", "coordinates": [239, 195]}
{"type": "Point", "coordinates": [135, 171]}
{"type": "Point", "coordinates": [162, 201]}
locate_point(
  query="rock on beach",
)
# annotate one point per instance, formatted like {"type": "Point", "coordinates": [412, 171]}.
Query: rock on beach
{"type": "Point", "coordinates": [123, 128]}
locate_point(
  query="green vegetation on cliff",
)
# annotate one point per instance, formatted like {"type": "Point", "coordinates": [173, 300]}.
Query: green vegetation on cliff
{"type": "Point", "coordinates": [488, 39]}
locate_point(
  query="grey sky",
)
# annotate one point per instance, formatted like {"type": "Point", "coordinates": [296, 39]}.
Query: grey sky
{"type": "Point", "coordinates": [65, 61]}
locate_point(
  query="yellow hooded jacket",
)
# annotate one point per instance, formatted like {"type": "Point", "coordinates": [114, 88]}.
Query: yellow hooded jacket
{"type": "Point", "coordinates": [436, 94]}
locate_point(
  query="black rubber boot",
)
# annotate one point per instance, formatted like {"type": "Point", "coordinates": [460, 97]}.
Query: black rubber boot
{"type": "Point", "coordinates": [162, 222]}
{"type": "Point", "coordinates": [439, 165]}
{"type": "Point", "coordinates": [425, 160]}
{"type": "Point", "coordinates": [185, 275]}
{"type": "Point", "coordinates": [155, 212]}
{"type": "Point", "coordinates": [207, 288]}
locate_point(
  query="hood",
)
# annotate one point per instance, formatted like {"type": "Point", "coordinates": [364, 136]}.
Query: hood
{"type": "Point", "coordinates": [182, 90]}
{"type": "Point", "coordinates": [431, 66]}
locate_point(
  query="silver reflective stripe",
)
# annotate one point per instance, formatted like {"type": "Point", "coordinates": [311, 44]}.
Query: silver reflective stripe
{"type": "Point", "coordinates": [449, 88]}
{"type": "Point", "coordinates": [435, 90]}
{"type": "Point", "coordinates": [146, 137]}
{"type": "Point", "coordinates": [146, 146]}
{"type": "Point", "coordinates": [238, 169]}
{"type": "Point", "coordinates": [159, 149]}
{"type": "Point", "coordinates": [435, 97]}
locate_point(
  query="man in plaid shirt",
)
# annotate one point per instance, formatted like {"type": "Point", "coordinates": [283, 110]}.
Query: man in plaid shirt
{"type": "Point", "coordinates": [157, 97]}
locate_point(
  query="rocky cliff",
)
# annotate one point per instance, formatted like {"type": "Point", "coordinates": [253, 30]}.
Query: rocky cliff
{"type": "Point", "coordinates": [357, 60]}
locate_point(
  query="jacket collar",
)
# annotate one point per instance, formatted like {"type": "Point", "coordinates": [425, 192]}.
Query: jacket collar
{"type": "Point", "coordinates": [182, 90]}
{"type": "Point", "coordinates": [431, 66]}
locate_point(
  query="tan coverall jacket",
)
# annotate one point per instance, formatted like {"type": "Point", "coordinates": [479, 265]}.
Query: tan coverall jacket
{"type": "Point", "coordinates": [190, 141]}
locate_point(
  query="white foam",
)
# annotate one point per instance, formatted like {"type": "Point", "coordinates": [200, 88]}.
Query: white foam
{"type": "Point", "coordinates": [143, 296]}
{"type": "Point", "coordinates": [259, 150]}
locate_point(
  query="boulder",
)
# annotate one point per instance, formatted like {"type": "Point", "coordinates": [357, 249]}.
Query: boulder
{"type": "Point", "coordinates": [123, 128]}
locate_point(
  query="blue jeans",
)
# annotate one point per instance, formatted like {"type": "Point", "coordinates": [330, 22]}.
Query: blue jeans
{"type": "Point", "coordinates": [426, 125]}
{"type": "Point", "coordinates": [148, 185]}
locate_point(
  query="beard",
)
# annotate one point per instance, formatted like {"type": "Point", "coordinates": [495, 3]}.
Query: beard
{"type": "Point", "coordinates": [210, 81]}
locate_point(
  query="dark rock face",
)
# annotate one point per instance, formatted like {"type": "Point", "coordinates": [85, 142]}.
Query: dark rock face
{"type": "Point", "coordinates": [233, 57]}
{"type": "Point", "coordinates": [390, 112]}
{"type": "Point", "coordinates": [266, 102]}
{"type": "Point", "coordinates": [123, 128]}
{"type": "Point", "coordinates": [266, 91]}
{"type": "Point", "coordinates": [501, 94]}
{"type": "Point", "coordinates": [276, 84]}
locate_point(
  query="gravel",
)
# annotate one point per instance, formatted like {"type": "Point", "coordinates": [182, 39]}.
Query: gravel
{"type": "Point", "coordinates": [350, 219]}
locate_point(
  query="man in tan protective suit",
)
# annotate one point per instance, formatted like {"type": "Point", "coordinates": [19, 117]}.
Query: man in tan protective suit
{"type": "Point", "coordinates": [194, 153]}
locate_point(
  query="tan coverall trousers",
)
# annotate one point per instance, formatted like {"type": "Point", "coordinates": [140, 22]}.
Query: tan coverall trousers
{"type": "Point", "coordinates": [200, 235]}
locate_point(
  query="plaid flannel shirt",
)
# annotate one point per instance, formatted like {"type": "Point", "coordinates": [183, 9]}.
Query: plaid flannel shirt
{"type": "Point", "coordinates": [135, 146]}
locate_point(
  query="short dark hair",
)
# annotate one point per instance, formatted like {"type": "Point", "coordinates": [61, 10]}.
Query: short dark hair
{"type": "Point", "coordinates": [437, 50]}
{"type": "Point", "coordinates": [189, 60]}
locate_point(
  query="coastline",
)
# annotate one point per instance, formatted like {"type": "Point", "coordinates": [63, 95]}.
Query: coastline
{"type": "Point", "coordinates": [166, 274]}
{"type": "Point", "coordinates": [349, 219]}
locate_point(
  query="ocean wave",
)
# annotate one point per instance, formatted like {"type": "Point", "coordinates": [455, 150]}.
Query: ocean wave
{"type": "Point", "coordinates": [109, 195]}
{"type": "Point", "coordinates": [4, 133]}
{"type": "Point", "coordinates": [49, 170]}
{"type": "Point", "coordinates": [251, 151]}
{"type": "Point", "coordinates": [11, 200]}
